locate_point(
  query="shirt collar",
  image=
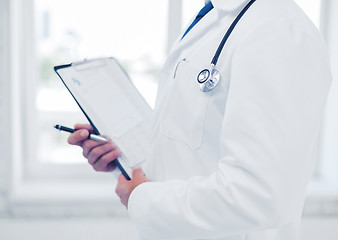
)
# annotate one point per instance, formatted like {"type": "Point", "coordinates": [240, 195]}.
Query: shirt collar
{"type": "Point", "coordinates": [228, 5]}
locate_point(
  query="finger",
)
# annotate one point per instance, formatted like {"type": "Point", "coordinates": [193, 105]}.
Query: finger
{"type": "Point", "coordinates": [102, 164]}
{"type": "Point", "coordinates": [110, 166]}
{"type": "Point", "coordinates": [84, 126]}
{"type": "Point", "coordinates": [77, 137]}
{"type": "Point", "coordinates": [101, 156]}
{"type": "Point", "coordinates": [88, 145]}
{"type": "Point", "coordinates": [122, 180]}
{"type": "Point", "coordinates": [97, 150]}
{"type": "Point", "coordinates": [138, 172]}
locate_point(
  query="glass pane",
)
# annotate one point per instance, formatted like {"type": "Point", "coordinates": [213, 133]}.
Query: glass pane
{"type": "Point", "coordinates": [71, 30]}
{"type": "Point", "coordinates": [312, 9]}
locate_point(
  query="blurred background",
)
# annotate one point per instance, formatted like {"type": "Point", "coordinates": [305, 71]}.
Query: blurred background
{"type": "Point", "coordinates": [47, 189]}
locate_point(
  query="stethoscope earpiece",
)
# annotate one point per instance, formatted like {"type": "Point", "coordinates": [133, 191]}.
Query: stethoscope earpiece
{"type": "Point", "coordinates": [208, 79]}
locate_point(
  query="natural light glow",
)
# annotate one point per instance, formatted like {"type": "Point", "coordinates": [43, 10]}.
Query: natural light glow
{"type": "Point", "coordinates": [96, 29]}
{"type": "Point", "coordinates": [312, 9]}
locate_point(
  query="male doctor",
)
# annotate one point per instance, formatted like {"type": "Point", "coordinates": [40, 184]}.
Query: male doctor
{"type": "Point", "coordinates": [233, 162]}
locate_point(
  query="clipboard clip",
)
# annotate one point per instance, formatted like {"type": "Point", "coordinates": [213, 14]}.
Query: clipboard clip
{"type": "Point", "coordinates": [89, 64]}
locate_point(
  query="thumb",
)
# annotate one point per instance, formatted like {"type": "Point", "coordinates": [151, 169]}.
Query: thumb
{"type": "Point", "coordinates": [138, 172]}
{"type": "Point", "coordinates": [122, 179]}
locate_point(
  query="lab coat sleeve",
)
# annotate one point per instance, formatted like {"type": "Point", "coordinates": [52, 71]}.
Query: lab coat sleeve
{"type": "Point", "coordinates": [279, 83]}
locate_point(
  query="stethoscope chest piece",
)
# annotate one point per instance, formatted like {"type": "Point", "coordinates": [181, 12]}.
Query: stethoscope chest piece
{"type": "Point", "coordinates": [208, 79]}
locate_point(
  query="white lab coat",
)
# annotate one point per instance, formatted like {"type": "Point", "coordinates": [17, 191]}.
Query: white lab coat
{"type": "Point", "coordinates": [234, 163]}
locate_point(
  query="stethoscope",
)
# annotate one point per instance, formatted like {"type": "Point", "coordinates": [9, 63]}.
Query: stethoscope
{"type": "Point", "coordinates": [208, 78]}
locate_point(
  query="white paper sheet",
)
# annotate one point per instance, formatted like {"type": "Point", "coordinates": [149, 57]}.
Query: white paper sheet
{"type": "Point", "coordinates": [113, 104]}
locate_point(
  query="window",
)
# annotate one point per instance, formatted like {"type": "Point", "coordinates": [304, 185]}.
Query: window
{"type": "Point", "coordinates": [44, 33]}
{"type": "Point", "coordinates": [122, 29]}
{"type": "Point", "coordinates": [312, 8]}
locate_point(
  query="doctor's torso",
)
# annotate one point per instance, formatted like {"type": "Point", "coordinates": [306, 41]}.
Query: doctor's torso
{"type": "Point", "coordinates": [187, 138]}
{"type": "Point", "coordinates": [187, 121]}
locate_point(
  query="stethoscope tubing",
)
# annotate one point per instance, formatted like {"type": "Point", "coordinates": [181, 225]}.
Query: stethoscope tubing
{"type": "Point", "coordinates": [228, 33]}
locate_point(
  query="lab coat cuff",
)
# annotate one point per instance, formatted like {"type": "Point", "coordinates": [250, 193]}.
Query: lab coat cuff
{"type": "Point", "coordinates": [139, 205]}
{"type": "Point", "coordinates": [135, 200]}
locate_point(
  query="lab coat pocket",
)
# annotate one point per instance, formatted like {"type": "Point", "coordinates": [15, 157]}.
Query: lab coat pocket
{"type": "Point", "coordinates": [183, 114]}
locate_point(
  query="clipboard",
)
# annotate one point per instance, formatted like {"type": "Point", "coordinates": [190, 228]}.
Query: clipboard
{"type": "Point", "coordinates": [112, 105]}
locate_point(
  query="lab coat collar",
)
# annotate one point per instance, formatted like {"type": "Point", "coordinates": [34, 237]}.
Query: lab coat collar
{"type": "Point", "coordinates": [212, 16]}
{"type": "Point", "coordinates": [203, 25]}
{"type": "Point", "coordinates": [228, 5]}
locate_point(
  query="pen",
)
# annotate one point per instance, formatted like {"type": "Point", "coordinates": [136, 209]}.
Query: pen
{"type": "Point", "coordinates": [71, 130]}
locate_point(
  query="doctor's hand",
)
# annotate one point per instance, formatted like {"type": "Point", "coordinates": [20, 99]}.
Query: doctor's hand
{"type": "Point", "coordinates": [100, 155]}
{"type": "Point", "coordinates": [124, 187]}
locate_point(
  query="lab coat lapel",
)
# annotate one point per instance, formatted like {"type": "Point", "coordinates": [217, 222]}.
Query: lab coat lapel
{"type": "Point", "coordinates": [196, 33]}
{"type": "Point", "coordinates": [201, 28]}
{"type": "Point", "coordinates": [221, 8]}
{"type": "Point", "coordinates": [211, 17]}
